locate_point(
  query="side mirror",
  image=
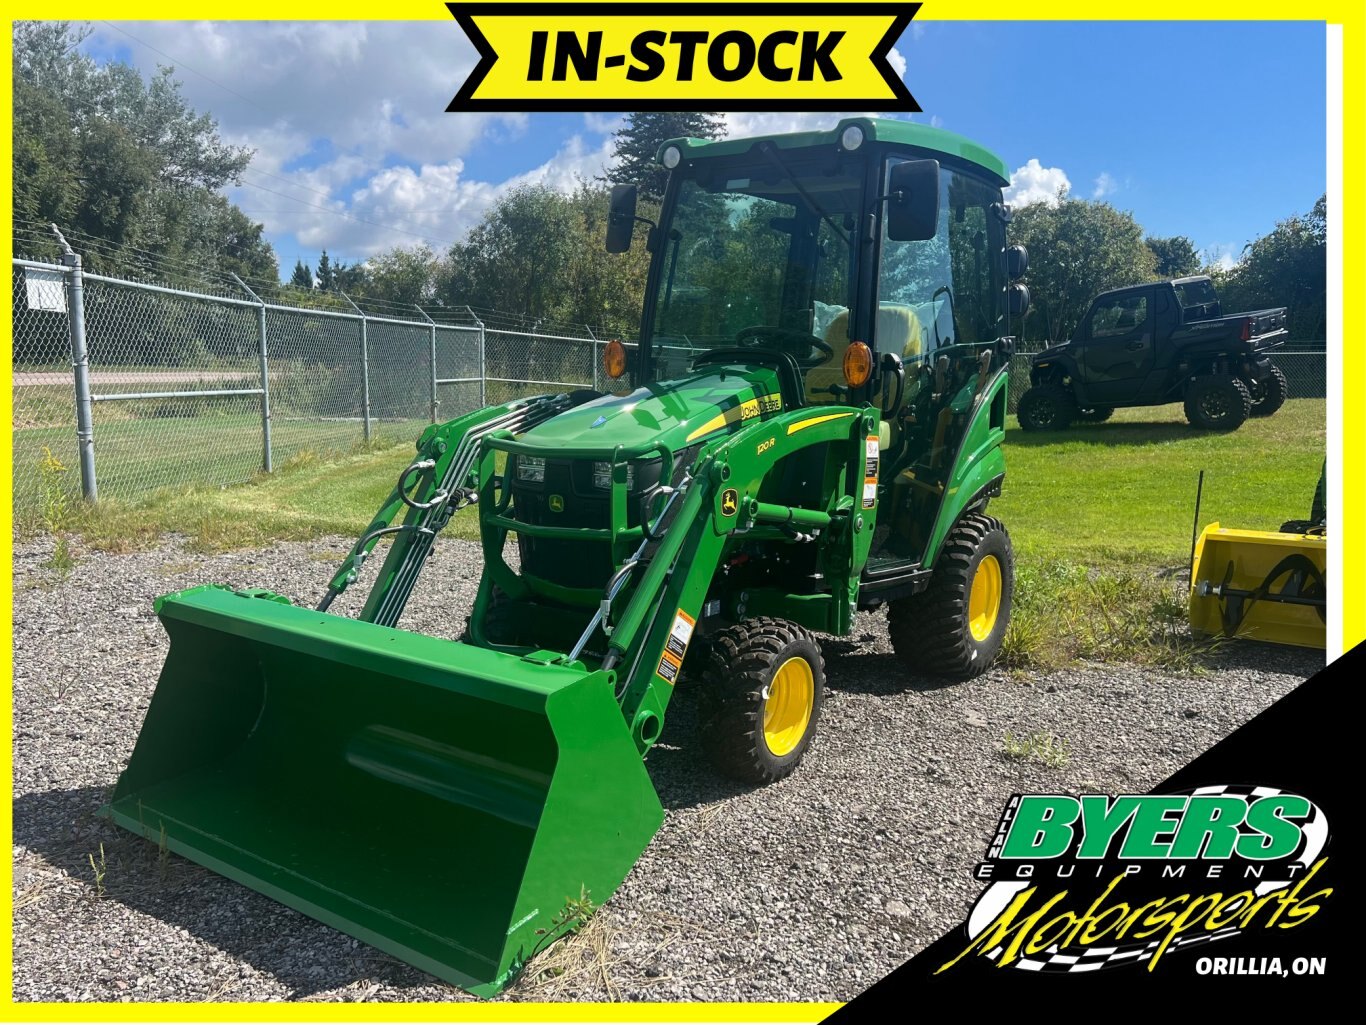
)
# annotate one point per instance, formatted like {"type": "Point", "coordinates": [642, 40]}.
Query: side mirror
{"type": "Point", "coordinates": [621, 218]}
{"type": "Point", "coordinates": [913, 201]}
{"type": "Point", "coordinates": [1017, 262]}
{"type": "Point", "coordinates": [1018, 297]}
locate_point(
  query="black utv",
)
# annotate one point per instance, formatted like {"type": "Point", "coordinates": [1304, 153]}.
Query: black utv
{"type": "Point", "coordinates": [1147, 345]}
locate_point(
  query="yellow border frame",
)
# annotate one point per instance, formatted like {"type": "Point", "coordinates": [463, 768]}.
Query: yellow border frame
{"type": "Point", "coordinates": [1351, 15]}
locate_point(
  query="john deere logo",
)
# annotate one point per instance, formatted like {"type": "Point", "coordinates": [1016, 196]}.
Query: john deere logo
{"type": "Point", "coordinates": [730, 502]}
{"type": "Point", "coordinates": [557, 503]}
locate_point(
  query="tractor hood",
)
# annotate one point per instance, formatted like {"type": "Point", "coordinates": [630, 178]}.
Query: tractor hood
{"type": "Point", "coordinates": [679, 413]}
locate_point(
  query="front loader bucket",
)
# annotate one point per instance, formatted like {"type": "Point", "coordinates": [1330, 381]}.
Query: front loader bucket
{"type": "Point", "coordinates": [439, 801]}
{"type": "Point", "coordinates": [1261, 585]}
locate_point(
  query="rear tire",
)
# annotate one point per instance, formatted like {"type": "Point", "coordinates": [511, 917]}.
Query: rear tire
{"type": "Point", "coordinates": [765, 681]}
{"type": "Point", "coordinates": [1096, 414]}
{"type": "Point", "coordinates": [1218, 402]}
{"type": "Point", "coordinates": [1271, 393]}
{"type": "Point", "coordinates": [955, 627]}
{"type": "Point", "coordinates": [1046, 407]}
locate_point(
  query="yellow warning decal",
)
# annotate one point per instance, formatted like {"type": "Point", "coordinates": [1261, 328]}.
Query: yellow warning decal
{"type": "Point", "coordinates": [802, 425]}
{"type": "Point", "coordinates": [676, 647]}
{"type": "Point", "coordinates": [872, 455]}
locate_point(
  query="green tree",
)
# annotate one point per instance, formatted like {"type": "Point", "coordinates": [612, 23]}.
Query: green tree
{"type": "Point", "coordinates": [302, 276]}
{"type": "Point", "coordinates": [1287, 267]}
{"type": "Point", "coordinates": [351, 278]}
{"type": "Point", "coordinates": [327, 280]}
{"type": "Point", "coordinates": [539, 253]}
{"type": "Point", "coordinates": [102, 151]}
{"type": "Point", "coordinates": [1176, 256]}
{"type": "Point", "coordinates": [403, 276]}
{"type": "Point", "coordinates": [1077, 249]}
{"type": "Point", "coordinates": [635, 144]}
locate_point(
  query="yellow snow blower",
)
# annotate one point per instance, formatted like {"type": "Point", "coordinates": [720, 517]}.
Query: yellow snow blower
{"type": "Point", "coordinates": [1260, 584]}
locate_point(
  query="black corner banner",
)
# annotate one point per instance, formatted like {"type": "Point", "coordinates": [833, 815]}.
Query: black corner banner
{"type": "Point", "coordinates": [683, 56]}
{"type": "Point", "coordinates": [1236, 868]}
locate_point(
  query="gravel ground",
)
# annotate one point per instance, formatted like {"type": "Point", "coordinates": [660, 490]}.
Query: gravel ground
{"type": "Point", "coordinates": [807, 890]}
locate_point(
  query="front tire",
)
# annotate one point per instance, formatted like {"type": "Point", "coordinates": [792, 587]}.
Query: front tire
{"type": "Point", "coordinates": [1046, 407]}
{"type": "Point", "coordinates": [1218, 402]}
{"type": "Point", "coordinates": [765, 679]}
{"type": "Point", "coordinates": [955, 627]}
{"type": "Point", "coordinates": [1271, 393]}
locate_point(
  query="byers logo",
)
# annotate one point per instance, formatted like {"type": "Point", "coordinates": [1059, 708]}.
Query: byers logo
{"type": "Point", "coordinates": [675, 56]}
{"type": "Point", "coordinates": [1098, 881]}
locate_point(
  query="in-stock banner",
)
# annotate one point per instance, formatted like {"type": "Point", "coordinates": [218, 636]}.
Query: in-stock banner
{"type": "Point", "coordinates": [681, 511]}
{"type": "Point", "coordinates": [659, 56]}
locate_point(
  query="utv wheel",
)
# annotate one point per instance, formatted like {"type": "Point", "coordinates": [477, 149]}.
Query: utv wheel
{"type": "Point", "coordinates": [1218, 402]}
{"type": "Point", "coordinates": [1096, 414]}
{"type": "Point", "coordinates": [766, 682]}
{"type": "Point", "coordinates": [1047, 407]}
{"type": "Point", "coordinates": [1270, 394]}
{"type": "Point", "coordinates": [955, 627]}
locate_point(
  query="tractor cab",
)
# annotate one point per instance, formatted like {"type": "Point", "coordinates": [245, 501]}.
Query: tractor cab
{"type": "Point", "coordinates": [864, 266]}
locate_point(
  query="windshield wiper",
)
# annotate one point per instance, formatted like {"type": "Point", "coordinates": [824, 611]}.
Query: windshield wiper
{"type": "Point", "coordinates": [770, 153]}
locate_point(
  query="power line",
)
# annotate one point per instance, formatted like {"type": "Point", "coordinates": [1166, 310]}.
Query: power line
{"type": "Point", "coordinates": [180, 63]}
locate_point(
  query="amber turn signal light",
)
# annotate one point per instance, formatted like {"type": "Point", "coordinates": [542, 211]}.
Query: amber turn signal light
{"type": "Point", "coordinates": [614, 359]}
{"type": "Point", "coordinates": [858, 364]}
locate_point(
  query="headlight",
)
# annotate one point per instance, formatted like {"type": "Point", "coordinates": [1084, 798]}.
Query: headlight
{"type": "Point", "coordinates": [602, 475]}
{"type": "Point", "coordinates": [851, 138]}
{"type": "Point", "coordinates": [671, 157]}
{"type": "Point", "coordinates": [531, 468]}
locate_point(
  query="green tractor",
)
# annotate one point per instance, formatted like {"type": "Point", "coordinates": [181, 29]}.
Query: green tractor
{"type": "Point", "coordinates": [809, 426]}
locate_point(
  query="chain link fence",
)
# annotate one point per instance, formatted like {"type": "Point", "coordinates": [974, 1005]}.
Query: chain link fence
{"type": "Point", "coordinates": [188, 388]}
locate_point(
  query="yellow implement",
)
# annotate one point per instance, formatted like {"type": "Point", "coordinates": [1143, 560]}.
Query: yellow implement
{"type": "Point", "coordinates": [1261, 585]}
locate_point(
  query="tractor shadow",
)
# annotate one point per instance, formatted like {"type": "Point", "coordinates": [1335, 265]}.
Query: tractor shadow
{"type": "Point", "coordinates": [307, 957]}
{"type": "Point", "coordinates": [1123, 434]}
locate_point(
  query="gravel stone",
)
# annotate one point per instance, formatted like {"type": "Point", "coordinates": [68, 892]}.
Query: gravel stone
{"type": "Point", "coordinates": [810, 889]}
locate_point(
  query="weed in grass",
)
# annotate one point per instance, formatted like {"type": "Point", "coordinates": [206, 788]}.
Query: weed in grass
{"type": "Point", "coordinates": [1064, 613]}
{"type": "Point", "coordinates": [100, 869]}
{"type": "Point", "coordinates": [1042, 747]}
{"type": "Point", "coordinates": [55, 510]}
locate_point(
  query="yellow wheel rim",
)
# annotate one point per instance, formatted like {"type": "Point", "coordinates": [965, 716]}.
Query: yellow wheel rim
{"type": "Point", "coordinates": [787, 710]}
{"type": "Point", "coordinates": [984, 601]}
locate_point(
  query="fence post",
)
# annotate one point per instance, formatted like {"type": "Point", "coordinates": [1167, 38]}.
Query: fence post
{"type": "Point", "coordinates": [267, 459]}
{"type": "Point", "coordinates": [483, 367]}
{"type": "Point", "coordinates": [431, 327]}
{"type": "Point", "coordinates": [80, 368]}
{"type": "Point", "coordinates": [364, 367]}
{"type": "Point", "coordinates": [595, 359]}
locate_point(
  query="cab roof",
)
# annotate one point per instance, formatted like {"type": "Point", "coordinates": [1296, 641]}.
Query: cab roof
{"type": "Point", "coordinates": [904, 133]}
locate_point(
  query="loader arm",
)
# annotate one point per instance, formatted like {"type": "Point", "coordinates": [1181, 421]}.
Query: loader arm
{"type": "Point", "coordinates": [438, 483]}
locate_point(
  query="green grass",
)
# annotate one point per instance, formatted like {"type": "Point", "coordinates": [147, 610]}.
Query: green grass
{"type": "Point", "coordinates": [1120, 495]}
{"type": "Point", "coordinates": [311, 495]}
{"type": "Point", "coordinates": [147, 457]}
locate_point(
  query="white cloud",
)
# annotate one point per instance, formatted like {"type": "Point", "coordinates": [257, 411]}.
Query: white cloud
{"type": "Point", "coordinates": [1034, 183]}
{"type": "Point", "coordinates": [936, 121]}
{"type": "Point", "coordinates": [897, 61]}
{"type": "Point", "coordinates": [1106, 185]}
{"type": "Point", "coordinates": [1224, 255]}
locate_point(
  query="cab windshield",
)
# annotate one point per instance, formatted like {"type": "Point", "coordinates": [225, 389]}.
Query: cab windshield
{"type": "Point", "coordinates": [759, 253]}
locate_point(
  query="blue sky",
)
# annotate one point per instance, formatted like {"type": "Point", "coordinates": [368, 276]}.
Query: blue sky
{"type": "Point", "coordinates": [1212, 130]}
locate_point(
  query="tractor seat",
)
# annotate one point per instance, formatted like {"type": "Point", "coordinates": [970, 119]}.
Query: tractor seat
{"type": "Point", "coordinates": [898, 330]}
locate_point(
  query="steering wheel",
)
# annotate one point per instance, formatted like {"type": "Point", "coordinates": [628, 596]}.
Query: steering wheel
{"type": "Point", "coordinates": [789, 340]}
